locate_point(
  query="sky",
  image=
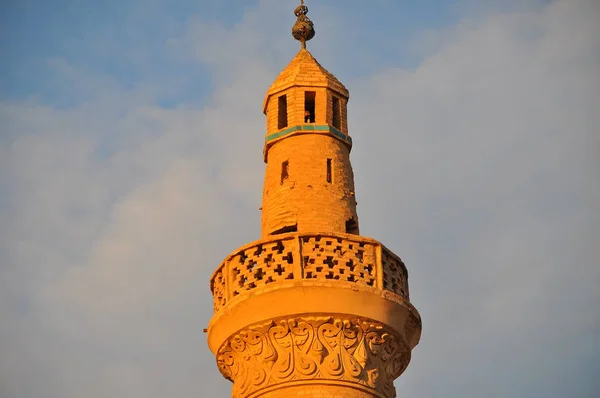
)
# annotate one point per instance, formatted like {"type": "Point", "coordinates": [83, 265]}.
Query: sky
{"type": "Point", "coordinates": [131, 139]}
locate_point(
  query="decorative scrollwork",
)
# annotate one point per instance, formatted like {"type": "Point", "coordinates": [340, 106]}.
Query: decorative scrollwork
{"type": "Point", "coordinates": [314, 348]}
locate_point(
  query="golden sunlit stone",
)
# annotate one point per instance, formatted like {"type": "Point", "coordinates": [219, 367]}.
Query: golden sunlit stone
{"type": "Point", "coordinates": [311, 309]}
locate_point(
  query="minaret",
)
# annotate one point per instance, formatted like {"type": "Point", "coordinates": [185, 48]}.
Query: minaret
{"type": "Point", "coordinates": [311, 309]}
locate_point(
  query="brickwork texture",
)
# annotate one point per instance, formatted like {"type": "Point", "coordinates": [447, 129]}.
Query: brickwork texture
{"type": "Point", "coordinates": [311, 309]}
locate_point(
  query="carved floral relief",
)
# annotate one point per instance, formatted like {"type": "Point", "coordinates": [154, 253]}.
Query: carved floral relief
{"type": "Point", "coordinates": [314, 348]}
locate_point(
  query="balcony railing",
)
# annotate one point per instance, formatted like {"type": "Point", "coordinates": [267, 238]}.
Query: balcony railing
{"type": "Point", "coordinates": [328, 257]}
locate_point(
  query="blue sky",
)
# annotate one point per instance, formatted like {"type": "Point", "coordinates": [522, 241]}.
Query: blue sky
{"type": "Point", "coordinates": [131, 164]}
{"type": "Point", "coordinates": [128, 40]}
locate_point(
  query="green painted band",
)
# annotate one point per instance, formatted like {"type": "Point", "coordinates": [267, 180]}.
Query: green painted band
{"type": "Point", "coordinates": [310, 127]}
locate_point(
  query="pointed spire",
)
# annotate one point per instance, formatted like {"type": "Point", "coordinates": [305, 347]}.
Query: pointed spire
{"type": "Point", "coordinates": [303, 29]}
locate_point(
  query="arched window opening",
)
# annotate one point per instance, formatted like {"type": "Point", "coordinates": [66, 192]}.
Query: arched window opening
{"type": "Point", "coordinates": [337, 113]}
{"type": "Point", "coordinates": [352, 226]}
{"type": "Point", "coordinates": [283, 114]}
{"type": "Point", "coordinates": [309, 106]}
{"type": "Point", "coordinates": [284, 171]}
{"type": "Point", "coordinates": [286, 229]}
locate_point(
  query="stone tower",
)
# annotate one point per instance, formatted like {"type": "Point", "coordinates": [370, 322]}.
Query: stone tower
{"type": "Point", "coordinates": [312, 309]}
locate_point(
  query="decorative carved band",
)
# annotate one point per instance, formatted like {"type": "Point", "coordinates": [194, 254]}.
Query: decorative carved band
{"type": "Point", "coordinates": [308, 256]}
{"type": "Point", "coordinates": [313, 348]}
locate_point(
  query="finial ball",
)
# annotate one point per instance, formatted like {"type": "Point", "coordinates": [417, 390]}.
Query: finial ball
{"type": "Point", "coordinates": [301, 10]}
{"type": "Point", "coordinates": [303, 29]}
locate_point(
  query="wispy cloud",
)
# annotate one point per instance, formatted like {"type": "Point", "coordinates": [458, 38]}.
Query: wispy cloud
{"type": "Point", "coordinates": [478, 166]}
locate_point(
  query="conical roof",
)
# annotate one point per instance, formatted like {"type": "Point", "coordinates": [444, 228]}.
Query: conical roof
{"type": "Point", "coordinates": [304, 70]}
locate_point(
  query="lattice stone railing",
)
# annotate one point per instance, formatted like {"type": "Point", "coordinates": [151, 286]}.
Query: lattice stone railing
{"type": "Point", "coordinates": [349, 259]}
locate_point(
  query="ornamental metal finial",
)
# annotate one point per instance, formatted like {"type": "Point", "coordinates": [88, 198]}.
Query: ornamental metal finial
{"type": "Point", "coordinates": [303, 29]}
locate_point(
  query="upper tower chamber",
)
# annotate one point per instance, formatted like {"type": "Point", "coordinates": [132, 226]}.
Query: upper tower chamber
{"type": "Point", "coordinates": [309, 183]}
{"type": "Point", "coordinates": [312, 308]}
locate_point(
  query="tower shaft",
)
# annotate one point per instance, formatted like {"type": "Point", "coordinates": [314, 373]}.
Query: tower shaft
{"type": "Point", "coordinates": [312, 308]}
{"type": "Point", "coordinates": [309, 186]}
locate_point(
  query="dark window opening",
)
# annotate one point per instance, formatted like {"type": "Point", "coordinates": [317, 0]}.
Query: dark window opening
{"type": "Point", "coordinates": [329, 170]}
{"type": "Point", "coordinates": [337, 110]}
{"type": "Point", "coordinates": [284, 171]}
{"type": "Point", "coordinates": [283, 114]}
{"type": "Point", "coordinates": [351, 226]}
{"type": "Point", "coordinates": [309, 106]}
{"type": "Point", "coordinates": [286, 229]}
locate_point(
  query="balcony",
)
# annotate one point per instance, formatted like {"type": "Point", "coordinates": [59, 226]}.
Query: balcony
{"type": "Point", "coordinates": [332, 258]}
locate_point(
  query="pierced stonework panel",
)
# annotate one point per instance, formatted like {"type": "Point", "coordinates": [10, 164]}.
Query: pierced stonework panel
{"type": "Point", "coordinates": [314, 348]}
{"type": "Point", "coordinates": [260, 265]}
{"type": "Point", "coordinates": [217, 287]}
{"type": "Point", "coordinates": [310, 257]}
{"type": "Point", "coordinates": [327, 257]}
{"type": "Point", "coordinates": [394, 273]}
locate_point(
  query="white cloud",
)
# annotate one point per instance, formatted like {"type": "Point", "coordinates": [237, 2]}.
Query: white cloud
{"type": "Point", "coordinates": [479, 167]}
{"type": "Point", "coordinates": [492, 181]}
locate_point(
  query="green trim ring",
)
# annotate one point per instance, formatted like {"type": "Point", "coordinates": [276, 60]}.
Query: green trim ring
{"type": "Point", "coordinates": [310, 127]}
